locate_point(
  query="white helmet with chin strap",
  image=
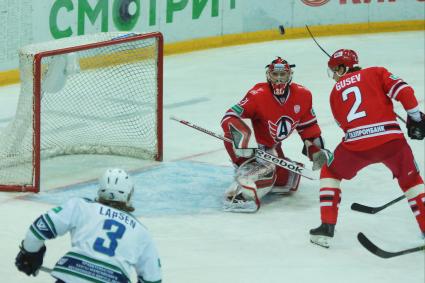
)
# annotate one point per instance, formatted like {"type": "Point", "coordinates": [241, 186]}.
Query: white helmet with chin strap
{"type": "Point", "coordinates": [116, 185]}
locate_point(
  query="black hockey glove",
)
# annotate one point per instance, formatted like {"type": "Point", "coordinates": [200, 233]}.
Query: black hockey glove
{"type": "Point", "coordinates": [416, 130]}
{"type": "Point", "coordinates": [29, 263]}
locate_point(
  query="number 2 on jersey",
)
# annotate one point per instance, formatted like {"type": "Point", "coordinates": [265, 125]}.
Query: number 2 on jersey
{"type": "Point", "coordinates": [353, 114]}
{"type": "Point", "coordinates": [116, 232]}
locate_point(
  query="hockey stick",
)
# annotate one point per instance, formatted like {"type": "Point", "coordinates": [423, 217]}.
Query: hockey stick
{"type": "Point", "coordinates": [321, 48]}
{"type": "Point", "coordinates": [374, 209]}
{"type": "Point", "coordinates": [400, 118]}
{"type": "Point", "coordinates": [380, 252]}
{"type": "Point", "coordinates": [46, 269]}
{"type": "Point", "coordinates": [281, 162]}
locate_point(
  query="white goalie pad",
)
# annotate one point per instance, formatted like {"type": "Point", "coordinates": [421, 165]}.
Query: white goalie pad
{"type": "Point", "coordinates": [235, 202]}
{"type": "Point", "coordinates": [290, 186]}
{"type": "Point", "coordinates": [256, 176]}
{"type": "Point", "coordinates": [253, 181]}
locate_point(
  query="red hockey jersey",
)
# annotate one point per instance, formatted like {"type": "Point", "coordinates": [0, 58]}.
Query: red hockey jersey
{"type": "Point", "coordinates": [361, 103]}
{"type": "Point", "coordinates": [274, 121]}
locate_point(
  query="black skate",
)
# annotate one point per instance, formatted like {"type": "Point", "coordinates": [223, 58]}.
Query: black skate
{"type": "Point", "coordinates": [322, 234]}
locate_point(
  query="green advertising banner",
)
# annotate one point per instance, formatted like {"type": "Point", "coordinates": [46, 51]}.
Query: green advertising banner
{"type": "Point", "coordinates": [27, 21]}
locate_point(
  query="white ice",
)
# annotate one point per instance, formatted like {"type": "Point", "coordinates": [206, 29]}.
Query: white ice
{"type": "Point", "coordinates": [272, 245]}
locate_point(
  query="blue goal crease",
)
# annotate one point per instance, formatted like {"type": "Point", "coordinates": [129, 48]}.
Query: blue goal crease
{"type": "Point", "coordinates": [181, 187]}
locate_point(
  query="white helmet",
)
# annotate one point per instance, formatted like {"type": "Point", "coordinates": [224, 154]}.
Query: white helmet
{"type": "Point", "coordinates": [116, 185]}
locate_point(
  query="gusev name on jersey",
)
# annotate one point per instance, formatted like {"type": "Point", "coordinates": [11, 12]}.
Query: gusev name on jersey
{"type": "Point", "coordinates": [361, 103]}
{"type": "Point", "coordinates": [106, 245]}
{"type": "Point", "coordinates": [273, 120]}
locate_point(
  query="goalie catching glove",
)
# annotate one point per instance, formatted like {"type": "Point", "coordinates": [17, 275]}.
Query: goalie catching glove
{"type": "Point", "coordinates": [29, 262]}
{"type": "Point", "coordinates": [416, 126]}
{"type": "Point", "coordinates": [315, 150]}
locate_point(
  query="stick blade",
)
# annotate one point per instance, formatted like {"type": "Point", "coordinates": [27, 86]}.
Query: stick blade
{"type": "Point", "coordinates": [367, 244]}
{"type": "Point", "coordinates": [363, 208]}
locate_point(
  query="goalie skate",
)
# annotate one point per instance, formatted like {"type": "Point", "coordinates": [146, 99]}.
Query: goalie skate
{"type": "Point", "coordinates": [239, 204]}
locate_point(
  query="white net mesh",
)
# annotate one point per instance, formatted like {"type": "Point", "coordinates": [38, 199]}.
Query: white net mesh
{"type": "Point", "coordinates": [101, 100]}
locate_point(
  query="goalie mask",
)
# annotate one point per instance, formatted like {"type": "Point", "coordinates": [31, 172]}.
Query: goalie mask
{"type": "Point", "coordinates": [115, 185]}
{"type": "Point", "coordinates": [279, 75]}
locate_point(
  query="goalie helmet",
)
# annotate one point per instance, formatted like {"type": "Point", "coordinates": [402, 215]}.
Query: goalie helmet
{"type": "Point", "coordinates": [345, 57]}
{"type": "Point", "coordinates": [279, 75]}
{"type": "Point", "coordinates": [115, 185]}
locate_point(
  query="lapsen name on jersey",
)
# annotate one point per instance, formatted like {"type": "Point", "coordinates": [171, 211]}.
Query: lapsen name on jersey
{"type": "Point", "coordinates": [113, 214]}
{"type": "Point", "coordinates": [348, 81]}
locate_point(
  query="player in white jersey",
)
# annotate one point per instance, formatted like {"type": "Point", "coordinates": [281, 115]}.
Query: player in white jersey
{"type": "Point", "coordinates": [107, 240]}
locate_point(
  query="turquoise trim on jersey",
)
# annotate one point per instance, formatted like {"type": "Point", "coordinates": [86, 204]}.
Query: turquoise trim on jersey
{"type": "Point", "coordinates": [51, 224]}
{"type": "Point", "coordinates": [94, 261]}
{"type": "Point", "coordinates": [38, 236]}
{"type": "Point", "coordinates": [73, 273]}
{"type": "Point", "coordinates": [237, 109]}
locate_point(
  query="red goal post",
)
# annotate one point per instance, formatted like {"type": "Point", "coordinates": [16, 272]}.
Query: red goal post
{"type": "Point", "coordinates": [94, 94]}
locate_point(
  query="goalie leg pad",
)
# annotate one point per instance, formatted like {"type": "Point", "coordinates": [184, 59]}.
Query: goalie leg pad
{"type": "Point", "coordinates": [236, 202]}
{"type": "Point", "coordinates": [286, 181]}
{"type": "Point", "coordinates": [253, 181]}
{"type": "Point", "coordinates": [256, 179]}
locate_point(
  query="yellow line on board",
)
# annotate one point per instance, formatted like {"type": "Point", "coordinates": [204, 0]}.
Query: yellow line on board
{"type": "Point", "coordinates": [12, 76]}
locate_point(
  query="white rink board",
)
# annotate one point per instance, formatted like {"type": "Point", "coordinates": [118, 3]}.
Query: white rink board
{"type": "Point", "coordinates": [271, 246]}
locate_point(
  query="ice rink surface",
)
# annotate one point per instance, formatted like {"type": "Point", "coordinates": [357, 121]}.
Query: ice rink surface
{"type": "Point", "coordinates": [179, 200]}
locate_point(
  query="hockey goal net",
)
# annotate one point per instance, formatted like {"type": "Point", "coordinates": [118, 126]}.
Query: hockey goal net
{"type": "Point", "coordinates": [98, 94]}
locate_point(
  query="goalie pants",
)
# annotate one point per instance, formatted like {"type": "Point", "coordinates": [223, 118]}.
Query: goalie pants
{"type": "Point", "coordinates": [396, 155]}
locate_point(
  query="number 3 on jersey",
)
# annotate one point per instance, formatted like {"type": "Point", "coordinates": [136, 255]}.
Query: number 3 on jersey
{"type": "Point", "coordinates": [353, 114]}
{"type": "Point", "coordinates": [116, 232]}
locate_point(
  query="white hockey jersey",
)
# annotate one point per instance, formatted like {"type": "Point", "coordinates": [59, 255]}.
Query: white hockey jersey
{"type": "Point", "coordinates": [106, 243]}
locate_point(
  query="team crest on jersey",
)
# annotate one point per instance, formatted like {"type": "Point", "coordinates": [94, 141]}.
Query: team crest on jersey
{"type": "Point", "coordinates": [41, 225]}
{"type": "Point", "coordinates": [297, 108]}
{"type": "Point", "coordinates": [281, 129]}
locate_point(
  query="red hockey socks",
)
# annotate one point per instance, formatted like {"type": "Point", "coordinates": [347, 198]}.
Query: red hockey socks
{"type": "Point", "coordinates": [416, 198]}
{"type": "Point", "coordinates": [330, 197]}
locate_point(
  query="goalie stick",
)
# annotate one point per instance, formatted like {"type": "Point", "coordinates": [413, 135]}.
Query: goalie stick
{"type": "Point", "coordinates": [282, 162]}
{"type": "Point", "coordinates": [374, 209]}
{"type": "Point", "coordinates": [382, 253]}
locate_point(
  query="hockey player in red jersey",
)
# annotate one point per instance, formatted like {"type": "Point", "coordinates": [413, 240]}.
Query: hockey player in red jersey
{"type": "Point", "coordinates": [276, 108]}
{"type": "Point", "coordinates": [362, 105]}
